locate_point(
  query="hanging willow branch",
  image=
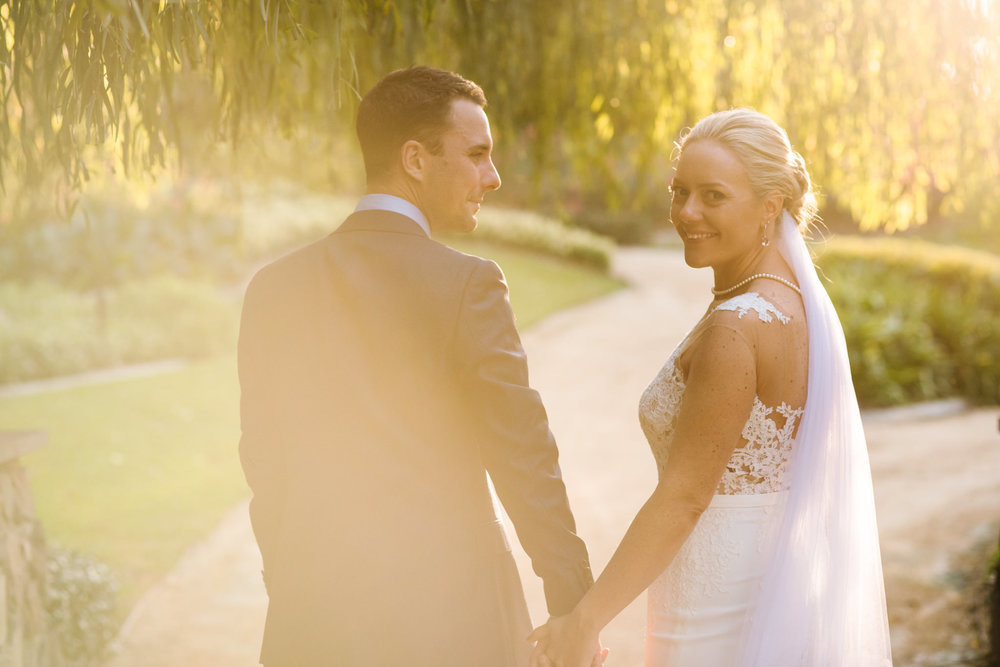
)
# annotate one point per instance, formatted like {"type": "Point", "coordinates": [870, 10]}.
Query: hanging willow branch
{"type": "Point", "coordinates": [141, 78]}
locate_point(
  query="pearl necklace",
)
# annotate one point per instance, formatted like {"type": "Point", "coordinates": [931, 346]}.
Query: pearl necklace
{"type": "Point", "coordinates": [770, 276]}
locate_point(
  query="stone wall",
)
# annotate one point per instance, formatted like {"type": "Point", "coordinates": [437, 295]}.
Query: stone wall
{"type": "Point", "coordinates": [24, 640]}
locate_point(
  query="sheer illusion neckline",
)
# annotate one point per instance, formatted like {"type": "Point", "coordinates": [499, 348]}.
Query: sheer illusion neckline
{"type": "Point", "coordinates": [759, 465]}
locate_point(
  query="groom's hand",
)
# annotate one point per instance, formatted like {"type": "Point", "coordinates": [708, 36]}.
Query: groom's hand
{"type": "Point", "coordinates": [539, 659]}
{"type": "Point", "coordinates": [559, 643]}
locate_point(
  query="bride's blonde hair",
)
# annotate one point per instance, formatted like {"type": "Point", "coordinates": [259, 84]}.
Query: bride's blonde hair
{"type": "Point", "coordinates": [763, 149]}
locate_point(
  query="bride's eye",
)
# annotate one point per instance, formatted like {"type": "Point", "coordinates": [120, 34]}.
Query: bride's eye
{"type": "Point", "coordinates": [677, 192]}
{"type": "Point", "coordinates": [714, 196]}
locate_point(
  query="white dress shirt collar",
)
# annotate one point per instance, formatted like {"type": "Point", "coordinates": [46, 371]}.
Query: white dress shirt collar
{"type": "Point", "coordinates": [383, 202]}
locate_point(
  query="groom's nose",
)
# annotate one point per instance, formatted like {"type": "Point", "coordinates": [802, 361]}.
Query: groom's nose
{"type": "Point", "coordinates": [491, 179]}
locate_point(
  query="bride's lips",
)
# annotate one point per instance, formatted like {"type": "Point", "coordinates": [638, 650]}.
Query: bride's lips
{"type": "Point", "coordinates": [698, 236]}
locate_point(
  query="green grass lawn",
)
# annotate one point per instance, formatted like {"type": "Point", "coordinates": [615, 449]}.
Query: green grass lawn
{"type": "Point", "coordinates": [138, 470]}
{"type": "Point", "coordinates": [539, 284]}
{"type": "Point", "coordinates": [135, 470]}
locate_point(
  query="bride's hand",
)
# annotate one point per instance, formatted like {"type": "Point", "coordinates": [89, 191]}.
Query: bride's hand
{"type": "Point", "coordinates": [540, 638]}
{"type": "Point", "coordinates": [563, 642]}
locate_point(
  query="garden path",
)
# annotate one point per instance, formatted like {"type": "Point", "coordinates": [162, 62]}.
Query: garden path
{"type": "Point", "coordinates": [935, 467]}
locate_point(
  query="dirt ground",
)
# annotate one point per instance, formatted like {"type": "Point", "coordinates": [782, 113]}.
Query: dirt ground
{"type": "Point", "coordinates": [936, 471]}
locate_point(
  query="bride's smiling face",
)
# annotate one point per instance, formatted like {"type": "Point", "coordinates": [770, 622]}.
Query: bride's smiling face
{"type": "Point", "coordinates": [714, 208]}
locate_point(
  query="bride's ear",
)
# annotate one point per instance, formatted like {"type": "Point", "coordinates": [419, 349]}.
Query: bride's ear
{"type": "Point", "coordinates": [773, 203]}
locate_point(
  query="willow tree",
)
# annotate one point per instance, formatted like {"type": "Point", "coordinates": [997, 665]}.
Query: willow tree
{"type": "Point", "coordinates": [135, 80]}
{"type": "Point", "coordinates": [893, 104]}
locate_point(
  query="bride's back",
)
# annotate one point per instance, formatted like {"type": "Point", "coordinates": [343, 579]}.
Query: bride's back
{"type": "Point", "coordinates": [771, 322]}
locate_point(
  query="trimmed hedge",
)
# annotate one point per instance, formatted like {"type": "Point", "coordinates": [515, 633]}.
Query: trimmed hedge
{"type": "Point", "coordinates": [46, 330]}
{"type": "Point", "coordinates": [196, 232]}
{"type": "Point", "coordinates": [523, 229]}
{"type": "Point", "coordinates": [278, 220]}
{"type": "Point", "coordinates": [188, 230]}
{"type": "Point", "coordinates": [625, 227]}
{"type": "Point", "coordinates": [922, 320]}
{"type": "Point", "coordinates": [95, 293]}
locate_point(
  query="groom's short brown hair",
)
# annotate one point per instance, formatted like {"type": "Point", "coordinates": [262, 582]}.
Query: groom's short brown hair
{"type": "Point", "coordinates": [411, 103]}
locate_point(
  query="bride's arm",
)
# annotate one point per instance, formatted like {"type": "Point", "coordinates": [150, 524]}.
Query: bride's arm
{"type": "Point", "coordinates": [720, 388]}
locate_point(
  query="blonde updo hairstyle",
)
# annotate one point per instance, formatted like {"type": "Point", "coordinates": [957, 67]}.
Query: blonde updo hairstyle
{"type": "Point", "coordinates": [763, 149]}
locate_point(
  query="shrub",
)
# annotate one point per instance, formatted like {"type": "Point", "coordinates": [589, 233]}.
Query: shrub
{"type": "Point", "coordinates": [281, 216]}
{"type": "Point", "coordinates": [80, 606]}
{"type": "Point", "coordinates": [188, 229]}
{"type": "Point", "coordinates": [128, 305]}
{"type": "Point", "coordinates": [922, 320]}
{"type": "Point", "coordinates": [277, 219]}
{"type": "Point", "coordinates": [47, 331]}
{"type": "Point", "coordinates": [625, 227]}
{"type": "Point", "coordinates": [280, 219]}
{"type": "Point", "coordinates": [531, 231]}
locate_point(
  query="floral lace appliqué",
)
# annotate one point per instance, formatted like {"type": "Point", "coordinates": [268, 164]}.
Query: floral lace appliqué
{"type": "Point", "coordinates": [744, 303]}
{"type": "Point", "coordinates": [760, 465]}
{"type": "Point", "coordinates": [658, 410]}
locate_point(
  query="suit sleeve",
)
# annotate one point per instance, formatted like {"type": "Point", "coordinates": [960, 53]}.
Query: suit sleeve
{"type": "Point", "coordinates": [517, 446]}
{"type": "Point", "coordinates": [261, 450]}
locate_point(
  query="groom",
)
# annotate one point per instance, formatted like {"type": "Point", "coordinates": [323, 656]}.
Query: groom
{"type": "Point", "coordinates": [382, 378]}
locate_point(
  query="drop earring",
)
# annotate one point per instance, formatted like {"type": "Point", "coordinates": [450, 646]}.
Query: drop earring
{"type": "Point", "coordinates": [763, 235]}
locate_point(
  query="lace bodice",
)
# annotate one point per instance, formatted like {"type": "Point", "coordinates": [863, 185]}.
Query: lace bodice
{"type": "Point", "coordinates": [759, 465]}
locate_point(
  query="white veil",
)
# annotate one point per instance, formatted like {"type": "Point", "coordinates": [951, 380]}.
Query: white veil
{"type": "Point", "coordinates": [822, 600]}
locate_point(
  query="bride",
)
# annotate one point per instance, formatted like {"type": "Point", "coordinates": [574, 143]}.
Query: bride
{"type": "Point", "coordinates": [758, 545]}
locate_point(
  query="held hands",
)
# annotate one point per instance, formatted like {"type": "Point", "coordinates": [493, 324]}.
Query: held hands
{"type": "Point", "coordinates": [565, 642]}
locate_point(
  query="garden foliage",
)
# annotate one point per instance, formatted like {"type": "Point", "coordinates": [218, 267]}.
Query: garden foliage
{"type": "Point", "coordinates": [48, 330]}
{"type": "Point", "coordinates": [81, 605]}
{"type": "Point", "coordinates": [120, 233]}
{"type": "Point", "coordinates": [922, 320]}
{"type": "Point", "coordinates": [131, 282]}
{"type": "Point", "coordinates": [523, 229]}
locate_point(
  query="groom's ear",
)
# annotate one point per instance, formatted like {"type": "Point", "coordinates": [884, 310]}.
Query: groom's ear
{"type": "Point", "coordinates": [413, 159]}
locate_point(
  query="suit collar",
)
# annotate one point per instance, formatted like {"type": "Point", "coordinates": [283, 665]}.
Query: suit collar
{"type": "Point", "coordinates": [381, 221]}
{"type": "Point", "coordinates": [384, 202]}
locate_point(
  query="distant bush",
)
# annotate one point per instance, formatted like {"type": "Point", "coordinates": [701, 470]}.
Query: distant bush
{"type": "Point", "coordinates": [922, 320]}
{"type": "Point", "coordinates": [524, 229]}
{"type": "Point", "coordinates": [625, 227]}
{"type": "Point", "coordinates": [145, 279]}
{"type": "Point", "coordinates": [275, 220]}
{"type": "Point", "coordinates": [81, 603]}
{"type": "Point", "coordinates": [217, 232]}
{"type": "Point", "coordinates": [47, 330]}
{"type": "Point", "coordinates": [281, 216]}
{"type": "Point", "coordinates": [115, 236]}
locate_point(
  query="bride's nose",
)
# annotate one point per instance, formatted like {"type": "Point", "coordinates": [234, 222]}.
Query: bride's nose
{"type": "Point", "coordinates": [687, 211]}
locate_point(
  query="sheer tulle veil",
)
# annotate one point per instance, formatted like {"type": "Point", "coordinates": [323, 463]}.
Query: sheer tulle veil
{"type": "Point", "coordinates": [822, 600]}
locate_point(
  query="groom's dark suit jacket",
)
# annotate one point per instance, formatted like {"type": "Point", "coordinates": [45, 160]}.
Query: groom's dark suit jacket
{"type": "Point", "coordinates": [382, 377]}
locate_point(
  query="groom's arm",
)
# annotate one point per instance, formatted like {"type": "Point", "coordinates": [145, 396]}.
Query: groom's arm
{"type": "Point", "coordinates": [517, 445]}
{"type": "Point", "coordinates": [261, 447]}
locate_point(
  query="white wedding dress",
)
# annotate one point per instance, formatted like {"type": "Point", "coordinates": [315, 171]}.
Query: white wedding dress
{"type": "Point", "coordinates": [697, 609]}
{"type": "Point", "coordinates": [784, 567]}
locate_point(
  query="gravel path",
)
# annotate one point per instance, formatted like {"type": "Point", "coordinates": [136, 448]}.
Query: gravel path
{"type": "Point", "coordinates": [936, 474]}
